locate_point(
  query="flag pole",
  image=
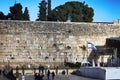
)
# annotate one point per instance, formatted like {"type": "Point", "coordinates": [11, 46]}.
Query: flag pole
{"type": "Point", "coordinates": [90, 46]}
{"type": "Point", "coordinates": [87, 51]}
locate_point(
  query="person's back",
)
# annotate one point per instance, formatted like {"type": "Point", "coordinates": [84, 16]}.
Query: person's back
{"type": "Point", "coordinates": [53, 75]}
{"type": "Point", "coordinates": [48, 74]}
{"type": "Point", "coordinates": [42, 68]}
{"type": "Point", "coordinates": [63, 72]}
{"type": "Point", "coordinates": [35, 76]}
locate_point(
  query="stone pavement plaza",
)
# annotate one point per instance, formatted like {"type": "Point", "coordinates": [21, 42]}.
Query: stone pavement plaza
{"type": "Point", "coordinates": [60, 77]}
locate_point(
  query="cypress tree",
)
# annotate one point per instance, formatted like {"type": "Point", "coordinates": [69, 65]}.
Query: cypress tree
{"type": "Point", "coordinates": [42, 11]}
{"type": "Point", "coordinates": [26, 14]}
{"type": "Point", "coordinates": [49, 10]}
{"type": "Point", "coordinates": [16, 12]}
{"type": "Point", "coordinates": [2, 16]}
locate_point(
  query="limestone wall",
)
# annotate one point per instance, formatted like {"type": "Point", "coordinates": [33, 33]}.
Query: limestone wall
{"type": "Point", "coordinates": [22, 41]}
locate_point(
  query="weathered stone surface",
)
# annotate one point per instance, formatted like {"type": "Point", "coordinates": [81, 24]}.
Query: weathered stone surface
{"type": "Point", "coordinates": [49, 41]}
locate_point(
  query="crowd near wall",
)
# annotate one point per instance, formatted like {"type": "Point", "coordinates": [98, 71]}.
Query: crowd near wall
{"type": "Point", "coordinates": [25, 42]}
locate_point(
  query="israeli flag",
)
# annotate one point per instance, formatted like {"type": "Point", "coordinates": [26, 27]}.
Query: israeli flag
{"type": "Point", "coordinates": [91, 46]}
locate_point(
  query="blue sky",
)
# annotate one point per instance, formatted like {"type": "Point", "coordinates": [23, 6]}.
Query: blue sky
{"type": "Point", "coordinates": [104, 10]}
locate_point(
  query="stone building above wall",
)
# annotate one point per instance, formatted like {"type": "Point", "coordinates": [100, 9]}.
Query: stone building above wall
{"type": "Point", "coordinates": [117, 22]}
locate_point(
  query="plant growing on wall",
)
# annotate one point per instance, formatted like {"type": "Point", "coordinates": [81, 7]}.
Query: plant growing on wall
{"type": "Point", "coordinates": [46, 57]}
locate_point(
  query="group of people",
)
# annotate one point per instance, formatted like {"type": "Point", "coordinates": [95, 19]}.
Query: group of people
{"type": "Point", "coordinates": [52, 75]}
{"type": "Point", "coordinates": [39, 76]}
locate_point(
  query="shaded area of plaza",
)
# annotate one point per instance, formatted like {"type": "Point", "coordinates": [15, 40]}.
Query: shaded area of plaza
{"type": "Point", "coordinates": [57, 77]}
{"type": "Point", "coordinates": [29, 74]}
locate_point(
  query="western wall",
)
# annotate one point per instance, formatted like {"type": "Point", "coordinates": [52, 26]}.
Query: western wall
{"type": "Point", "coordinates": [29, 42]}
